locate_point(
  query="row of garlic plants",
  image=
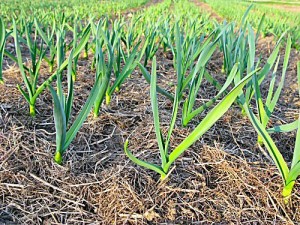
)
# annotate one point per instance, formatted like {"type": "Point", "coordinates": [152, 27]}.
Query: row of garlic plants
{"type": "Point", "coordinates": [277, 20]}
{"type": "Point", "coordinates": [46, 10]}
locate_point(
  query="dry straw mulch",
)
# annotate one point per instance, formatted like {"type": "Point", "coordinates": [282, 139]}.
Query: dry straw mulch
{"type": "Point", "coordinates": [224, 178]}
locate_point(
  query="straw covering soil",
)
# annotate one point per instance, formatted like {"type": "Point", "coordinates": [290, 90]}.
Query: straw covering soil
{"type": "Point", "coordinates": [224, 178]}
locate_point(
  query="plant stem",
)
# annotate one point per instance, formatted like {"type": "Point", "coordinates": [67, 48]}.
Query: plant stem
{"type": "Point", "coordinates": [58, 157]}
{"type": "Point", "coordinates": [96, 114]}
{"type": "Point", "coordinates": [244, 114]}
{"type": "Point", "coordinates": [51, 68]}
{"type": "Point", "coordinates": [85, 53]}
{"type": "Point", "coordinates": [32, 110]}
{"type": "Point", "coordinates": [107, 98]}
{"type": "Point", "coordinates": [163, 176]}
{"type": "Point", "coordinates": [287, 191]}
{"type": "Point", "coordinates": [260, 140]}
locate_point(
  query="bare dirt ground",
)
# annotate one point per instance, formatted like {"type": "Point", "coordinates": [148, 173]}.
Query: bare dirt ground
{"type": "Point", "coordinates": [288, 8]}
{"type": "Point", "coordinates": [206, 8]}
{"type": "Point", "coordinates": [224, 178]}
{"type": "Point", "coordinates": [129, 12]}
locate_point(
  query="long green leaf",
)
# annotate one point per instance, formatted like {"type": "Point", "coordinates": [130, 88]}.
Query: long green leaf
{"type": "Point", "coordinates": [294, 173]}
{"type": "Point", "coordinates": [2, 46]}
{"type": "Point", "coordinates": [284, 128]}
{"type": "Point", "coordinates": [70, 95]}
{"type": "Point", "coordinates": [154, 105]}
{"type": "Point", "coordinates": [281, 84]}
{"type": "Point", "coordinates": [59, 120]}
{"type": "Point", "coordinates": [71, 133]}
{"type": "Point", "coordinates": [259, 101]}
{"type": "Point", "coordinates": [206, 105]}
{"type": "Point", "coordinates": [77, 51]}
{"type": "Point", "coordinates": [272, 83]}
{"type": "Point", "coordinates": [141, 162]}
{"type": "Point", "coordinates": [158, 89]}
{"type": "Point", "coordinates": [269, 143]}
{"type": "Point", "coordinates": [20, 62]}
{"type": "Point", "coordinates": [207, 122]}
{"type": "Point", "coordinates": [296, 155]}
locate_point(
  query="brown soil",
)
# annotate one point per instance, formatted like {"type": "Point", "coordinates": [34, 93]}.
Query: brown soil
{"type": "Point", "coordinates": [207, 9]}
{"type": "Point", "coordinates": [129, 12]}
{"type": "Point", "coordinates": [289, 8]}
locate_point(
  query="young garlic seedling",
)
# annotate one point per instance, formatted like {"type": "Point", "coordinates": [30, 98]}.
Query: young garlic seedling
{"type": "Point", "coordinates": [289, 176]}
{"type": "Point", "coordinates": [209, 120]}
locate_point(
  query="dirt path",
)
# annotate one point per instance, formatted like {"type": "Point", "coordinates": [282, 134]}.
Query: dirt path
{"type": "Point", "coordinates": [288, 8]}
{"type": "Point", "coordinates": [148, 4]}
{"type": "Point", "coordinates": [206, 8]}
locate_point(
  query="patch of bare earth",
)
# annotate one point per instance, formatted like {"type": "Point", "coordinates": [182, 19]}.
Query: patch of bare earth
{"type": "Point", "coordinates": [129, 12]}
{"type": "Point", "coordinates": [289, 8]}
{"type": "Point", "coordinates": [207, 9]}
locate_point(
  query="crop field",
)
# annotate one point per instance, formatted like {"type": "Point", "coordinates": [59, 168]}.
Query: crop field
{"type": "Point", "coordinates": [149, 112]}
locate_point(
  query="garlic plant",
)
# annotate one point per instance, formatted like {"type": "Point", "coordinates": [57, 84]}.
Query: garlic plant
{"type": "Point", "coordinates": [167, 159]}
